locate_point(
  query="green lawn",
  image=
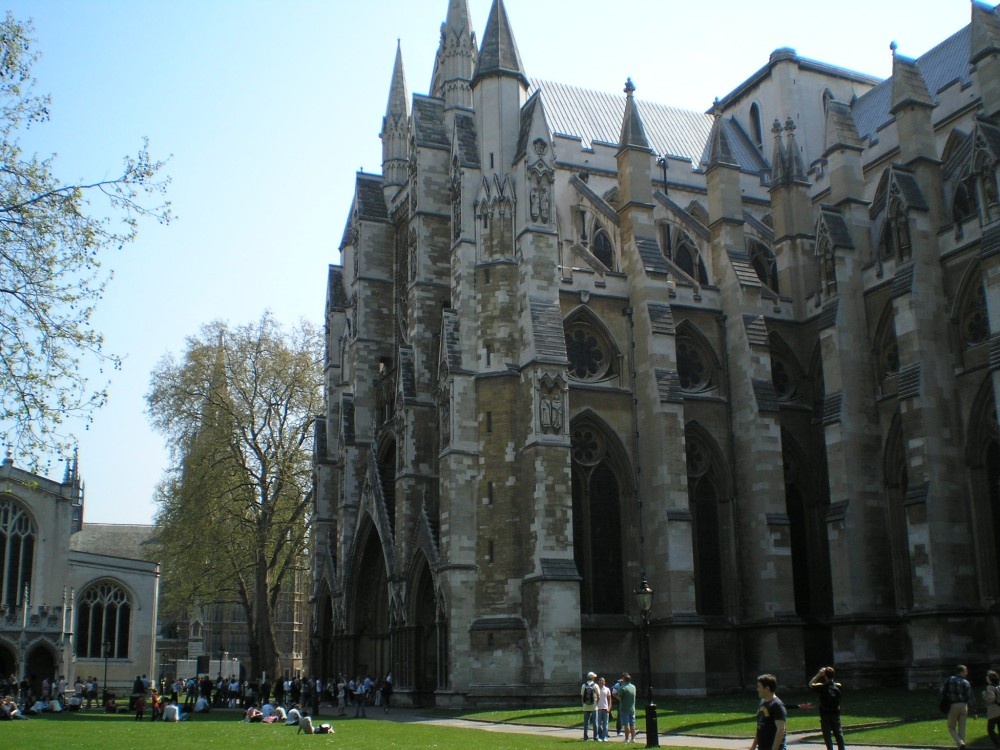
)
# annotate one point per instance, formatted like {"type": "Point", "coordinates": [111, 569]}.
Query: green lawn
{"type": "Point", "coordinates": [871, 717]}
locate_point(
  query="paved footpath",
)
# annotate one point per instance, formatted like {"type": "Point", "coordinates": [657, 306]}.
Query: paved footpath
{"type": "Point", "coordinates": [812, 740]}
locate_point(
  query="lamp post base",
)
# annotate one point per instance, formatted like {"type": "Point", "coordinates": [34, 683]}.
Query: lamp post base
{"type": "Point", "coordinates": [652, 730]}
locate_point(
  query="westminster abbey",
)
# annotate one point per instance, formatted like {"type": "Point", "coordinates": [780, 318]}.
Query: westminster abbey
{"type": "Point", "coordinates": [751, 356]}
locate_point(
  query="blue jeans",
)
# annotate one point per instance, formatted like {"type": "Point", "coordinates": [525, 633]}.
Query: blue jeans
{"type": "Point", "coordinates": [589, 721]}
{"type": "Point", "coordinates": [602, 723]}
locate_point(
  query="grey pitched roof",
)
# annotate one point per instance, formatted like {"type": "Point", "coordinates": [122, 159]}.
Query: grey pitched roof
{"type": "Point", "coordinates": [767, 398]}
{"type": "Point", "coordinates": [527, 116]}
{"type": "Point", "coordinates": [547, 329]}
{"type": "Point", "coordinates": [498, 53]}
{"type": "Point", "coordinates": [652, 256]}
{"type": "Point", "coordinates": [836, 227]}
{"type": "Point", "coordinates": [451, 342]}
{"type": "Point", "coordinates": [661, 317]}
{"type": "Point", "coordinates": [944, 64]}
{"type": "Point", "coordinates": [756, 329]}
{"type": "Point", "coordinates": [466, 141]}
{"type": "Point", "coordinates": [740, 262]}
{"type": "Point", "coordinates": [729, 144]}
{"type": "Point", "coordinates": [428, 122]}
{"type": "Point", "coordinates": [129, 541]}
{"type": "Point", "coordinates": [596, 117]}
{"type": "Point", "coordinates": [369, 198]}
{"type": "Point", "coordinates": [336, 294]}
{"type": "Point", "coordinates": [668, 385]}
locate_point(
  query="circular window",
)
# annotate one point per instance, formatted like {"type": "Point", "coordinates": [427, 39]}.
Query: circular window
{"type": "Point", "coordinates": [588, 446]}
{"type": "Point", "coordinates": [692, 370]}
{"type": "Point", "coordinates": [588, 353]}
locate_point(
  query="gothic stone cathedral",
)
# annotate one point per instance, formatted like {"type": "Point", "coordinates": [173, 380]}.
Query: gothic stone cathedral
{"type": "Point", "coordinates": [752, 355]}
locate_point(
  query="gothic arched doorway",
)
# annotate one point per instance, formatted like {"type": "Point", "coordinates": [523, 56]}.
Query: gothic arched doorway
{"type": "Point", "coordinates": [425, 652]}
{"type": "Point", "coordinates": [370, 609]}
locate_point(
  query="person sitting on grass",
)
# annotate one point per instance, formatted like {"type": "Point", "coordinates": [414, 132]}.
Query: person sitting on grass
{"type": "Point", "coordinates": [172, 712]}
{"type": "Point", "coordinates": [294, 716]}
{"type": "Point", "coordinates": [253, 714]}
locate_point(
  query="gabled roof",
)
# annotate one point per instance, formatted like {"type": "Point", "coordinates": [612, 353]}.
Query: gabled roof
{"type": "Point", "coordinates": [129, 541]}
{"type": "Point", "coordinates": [946, 63]}
{"type": "Point", "coordinates": [547, 329]}
{"type": "Point", "coordinates": [735, 148]}
{"type": "Point", "coordinates": [596, 117]}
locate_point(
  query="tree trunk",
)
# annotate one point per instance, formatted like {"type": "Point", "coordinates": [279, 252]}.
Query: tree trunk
{"type": "Point", "coordinates": [263, 624]}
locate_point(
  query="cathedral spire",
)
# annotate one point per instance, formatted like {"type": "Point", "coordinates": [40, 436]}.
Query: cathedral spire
{"type": "Point", "coordinates": [779, 175]}
{"type": "Point", "coordinates": [398, 105]}
{"type": "Point", "coordinates": [720, 150]}
{"type": "Point", "coordinates": [394, 125]}
{"type": "Point", "coordinates": [456, 57]}
{"type": "Point", "coordinates": [498, 55]}
{"type": "Point", "coordinates": [633, 133]}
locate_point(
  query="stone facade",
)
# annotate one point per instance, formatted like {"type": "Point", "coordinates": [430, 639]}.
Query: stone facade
{"type": "Point", "coordinates": [63, 595]}
{"type": "Point", "coordinates": [755, 365]}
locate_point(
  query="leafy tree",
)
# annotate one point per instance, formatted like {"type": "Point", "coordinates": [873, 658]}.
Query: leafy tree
{"type": "Point", "coordinates": [237, 411]}
{"type": "Point", "coordinates": [52, 243]}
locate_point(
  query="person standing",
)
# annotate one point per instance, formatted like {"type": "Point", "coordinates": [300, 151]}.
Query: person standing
{"type": "Point", "coordinates": [603, 709]}
{"type": "Point", "coordinates": [626, 706]}
{"type": "Point", "coordinates": [772, 716]}
{"type": "Point", "coordinates": [829, 691]}
{"type": "Point", "coordinates": [588, 697]}
{"type": "Point", "coordinates": [957, 691]}
{"type": "Point", "coordinates": [991, 696]}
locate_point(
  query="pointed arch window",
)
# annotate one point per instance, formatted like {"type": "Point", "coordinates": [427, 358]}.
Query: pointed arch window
{"type": "Point", "coordinates": [597, 524]}
{"type": "Point", "coordinates": [104, 615]}
{"type": "Point", "coordinates": [764, 263]}
{"type": "Point", "coordinates": [591, 355]}
{"type": "Point", "coordinates": [894, 242]}
{"type": "Point", "coordinates": [602, 248]}
{"type": "Point", "coordinates": [683, 251]}
{"type": "Point", "coordinates": [703, 499]}
{"type": "Point", "coordinates": [694, 365]}
{"type": "Point", "coordinates": [886, 348]}
{"type": "Point", "coordinates": [974, 321]}
{"type": "Point", "coordinates": [17, 550]}
{"type": "Point", "coordinates": [965, 204]}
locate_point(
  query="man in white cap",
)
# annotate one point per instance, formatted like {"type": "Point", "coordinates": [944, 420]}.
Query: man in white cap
{"type": "Point", "coordinates": [589, 694]}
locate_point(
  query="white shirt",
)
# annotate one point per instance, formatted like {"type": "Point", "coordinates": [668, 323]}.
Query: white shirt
{"type": "Point", "coordinates": [171, 712]}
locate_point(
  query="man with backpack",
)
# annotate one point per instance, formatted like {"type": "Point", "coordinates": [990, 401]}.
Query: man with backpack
{"type": "Point", "coordinates": [589, 695]}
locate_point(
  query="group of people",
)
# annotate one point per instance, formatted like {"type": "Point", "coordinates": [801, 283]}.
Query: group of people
{"type": "Point", "coordinates": [958, 700]}
{"type": "Point", "coordinates": [275, 714]}
{"type": "Point", "coordinates": [362, 692]}
{"type": "Point", "coordinates": [599, 702]}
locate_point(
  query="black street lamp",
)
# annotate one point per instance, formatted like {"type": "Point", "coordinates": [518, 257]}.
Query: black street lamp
{"type": "Point", "coordinates": [106, 646]}
{"type": "Point", "coordinates": [644, 598]}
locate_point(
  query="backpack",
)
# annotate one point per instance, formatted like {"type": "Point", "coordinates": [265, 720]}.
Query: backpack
{"type": "Point", "coordinates": [589, 694]}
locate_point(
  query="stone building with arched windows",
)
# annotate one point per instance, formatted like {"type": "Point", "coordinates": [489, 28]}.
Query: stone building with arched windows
{"type": "Point", "coordinates": [75, 599]}
{"type": "Point", "coordinates": [579, 339]}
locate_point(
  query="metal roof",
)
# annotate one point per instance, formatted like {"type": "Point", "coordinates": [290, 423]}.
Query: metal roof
{"type": "Point", "coordinates": [596, 116]}
{"type": "Point", "coordinates": [946, 63]}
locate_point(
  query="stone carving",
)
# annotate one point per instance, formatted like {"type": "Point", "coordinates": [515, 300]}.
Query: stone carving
{"type": "Point", "coordinates": [550, 405]}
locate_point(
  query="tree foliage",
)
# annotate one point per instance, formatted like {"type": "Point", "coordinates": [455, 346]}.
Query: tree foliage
{"type": "Point", "coordinates": [53, 238]}
{"type": "Point", "coordinates": [237, 411]}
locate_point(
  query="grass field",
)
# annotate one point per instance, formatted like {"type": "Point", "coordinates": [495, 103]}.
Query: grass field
{"type": "Point", "coordinates": [883, 717]}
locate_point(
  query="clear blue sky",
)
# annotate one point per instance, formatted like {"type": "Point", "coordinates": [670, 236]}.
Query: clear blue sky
{"type": "Point", "coordinates": [268, 108]}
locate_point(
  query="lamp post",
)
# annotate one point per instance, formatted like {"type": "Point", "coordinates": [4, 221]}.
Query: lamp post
{"type": "Point", "coordinates": [644, 598]}
{"type": "Point", "coordinates": [106, 646]}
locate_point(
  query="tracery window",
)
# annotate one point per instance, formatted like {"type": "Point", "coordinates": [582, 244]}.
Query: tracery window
{"type": "Point", "coordinates": [104, 615]}
{"type": "Point", "coordinates": [764, 264]}
{"type": "Point", "coordinates": [974, 321]}
{"type": "Point", "coordinates": [17, 550]}
{"type": "Point", "coordinates": [597, 525]}
{"type": "Point", "coordinates": [895, 238]}
{"type": "Point", "coordinates": [682, 250]}
{"type": "Point", "coordinates": [703, 500]}
{"type": "Point", "coordinates": [693, 365]}
{"type": "Point", "coordinates": [591, 356]}
{"type": "Point", "coordinates": [603, 250]}
{"type": "Point", "coordinates": [965, 204]}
